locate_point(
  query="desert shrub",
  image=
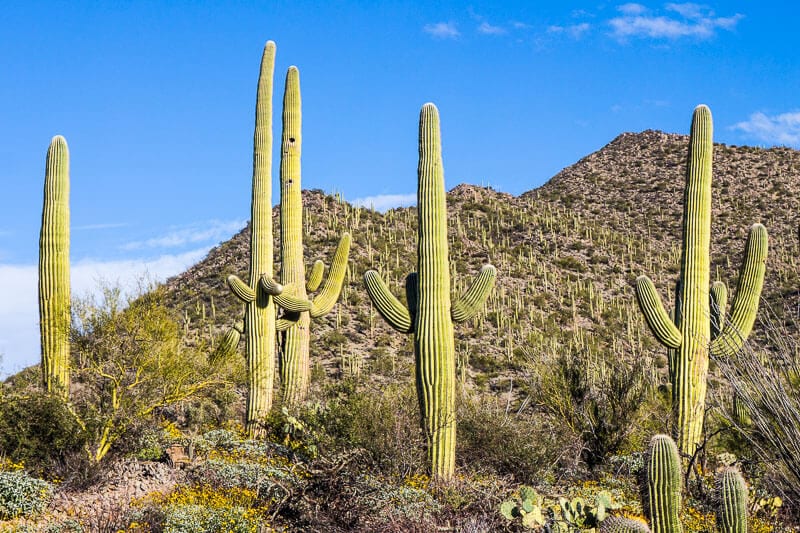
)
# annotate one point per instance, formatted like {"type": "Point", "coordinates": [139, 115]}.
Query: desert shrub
{"type": "Point", "coordinates": [130, 362]}
{"type": "Point", "coordinates": [383, 422]}
{"type": "Point", "coordinates": [606, 402]}
{"type": "Point", "coordinates": [37, 429]}
{"type": "Point", "coordinates": [492, 438]}
{"type": "Point", "coordinates": [22, 495]}
{"type": "Point", "coordinates": [764, 379]}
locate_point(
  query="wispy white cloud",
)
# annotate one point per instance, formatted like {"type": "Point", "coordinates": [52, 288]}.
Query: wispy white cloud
{"type": "Point", "coordinates": [680, 20]}
{"type": "Point", "coordinates": [19, 307]}
{"type": "Point", "coordinates": [576, 31]}
{"type": "Point", "coordinates": [382, 202]}
{"type": "Point", "coordinates": [442, 30]}
{"type": "Point", "coordinates": [783, 129]}
{"type": "Point", "coordinates": [631, 8]}
{"type": "Point", "coordinates": [212, 231]}
{"type": "Point", "coordinates": [488, 29]}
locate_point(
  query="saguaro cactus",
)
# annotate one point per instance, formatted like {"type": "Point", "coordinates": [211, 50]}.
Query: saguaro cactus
{"type": "Point", "coordinates": [700, 325]}
{"type": "Point", "coordinates": [257, 296]}
{"type": "Point", "coordinates": [54, 287]}
{"type": "Point", "coordinates": [293, 297]}
{"type": "Point", "coordinates": [430, 312]}
{"type": "Point", "coordinates": [732, 502]}
{"type": "Point", "coordinates": [661, 488]}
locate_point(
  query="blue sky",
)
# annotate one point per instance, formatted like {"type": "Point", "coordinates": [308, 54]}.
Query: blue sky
{"type": "Point", "coordinates": [156, 102]}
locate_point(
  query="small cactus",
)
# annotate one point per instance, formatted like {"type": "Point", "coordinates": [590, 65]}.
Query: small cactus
{"type": "Point", "coordinates": [731, 502]}
{"type": "Point", "coordinates": [661, 487]}
{"type": "Point", "coordinates": [619, 524]}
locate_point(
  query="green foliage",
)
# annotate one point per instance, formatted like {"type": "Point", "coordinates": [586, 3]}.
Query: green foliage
{"type": "Point", "coordinates": [565, 516]}
{"type": "Point", "coordinates": [130, 362]}
{"type": "Point", "coordinates": [37, 429]}
{"type": "Point", "coordinates": [22, 495]}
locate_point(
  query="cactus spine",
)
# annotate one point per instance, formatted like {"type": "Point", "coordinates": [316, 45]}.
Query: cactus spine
{"type": "Point", "coordinates": [618, 524]}
{"type": "Point", "coordinates": [699, 326]}
{"type": "Point", "coordinates": [54, 283]}
{"type": "Point", "coordinates": [259, 305]}
{"type": "Point", "coordinates": [661, 491]}
{"type": "Point", "coordinates": [430, 313]}
{"type": "Point", "coordinates": [293, 298]}
{"type": "Point", "coordinates": [732, 502]}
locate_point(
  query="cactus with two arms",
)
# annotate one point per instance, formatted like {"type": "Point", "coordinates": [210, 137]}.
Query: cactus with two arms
{"type": "Point", "coordinates": [430, 312]}
{"type": "Point", "coordinates": [700, 325]}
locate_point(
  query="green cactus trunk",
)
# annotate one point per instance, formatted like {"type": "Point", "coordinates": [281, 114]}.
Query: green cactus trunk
{"type": "Point", "coordinates": [292, 296]}
{"type": "Point", "coordinates": [259, 305]}
{"type": "Point", "coordinates": [295, 343]}
{"type": "Point", "coordinates": [731, 502]}
{"type": "Point", "coordinates": [699, 328]}
{"type": "Point", "coordinates": [691, 363]}
{"type": "Point", "coordinates": [54, 282]}
{"type": "Point", "coordinates": [661, 490]}
{"type": "Point", "coordinates": [433, 327]}
{"type": "Point", "coordinates": [430, 312]}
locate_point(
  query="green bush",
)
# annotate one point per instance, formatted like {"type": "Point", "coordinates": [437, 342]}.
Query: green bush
{"type": "Point", "coordinates": [37, 429]}
{"type": "Point", "coordinates": [22, 495]}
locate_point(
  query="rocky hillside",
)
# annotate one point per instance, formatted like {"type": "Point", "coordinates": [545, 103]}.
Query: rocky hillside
{"type": "Point", "coordinates": [567, 254]}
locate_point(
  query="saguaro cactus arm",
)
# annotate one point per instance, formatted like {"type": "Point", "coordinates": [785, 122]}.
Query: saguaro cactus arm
{"type": "Point", "coordinates": [718, 306]}
{"type": "Point", "coordinates": [390, 308]}
{"type": "Point", "coordinates": [474, 297]}
{"type": "Point", "coordinates": [748, 292]}
{"type": "Point", "coordinates": [326, 299]}
{"type": "Point", "coordinates": [241, 289]}
{"type": "Point", "coordinates": [315, 276]}
{"type": "Point", "coordinates": [654, 313]}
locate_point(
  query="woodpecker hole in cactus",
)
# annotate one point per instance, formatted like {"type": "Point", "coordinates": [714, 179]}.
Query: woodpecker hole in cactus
{"type": "Point", "coordinates": [291, 140]}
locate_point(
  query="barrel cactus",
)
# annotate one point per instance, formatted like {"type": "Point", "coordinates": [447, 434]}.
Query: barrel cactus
{"type": "Point", "coordinates": [430, 312]}
{"type": "Point", "coordinates": [731, 502]}
{"type": "Point", "coordinates": [661, 487]}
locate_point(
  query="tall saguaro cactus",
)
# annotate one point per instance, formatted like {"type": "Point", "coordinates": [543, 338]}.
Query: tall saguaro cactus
{"type": "Point", "coordinates": [257, 296]}
{"type": "Point", "coordinates": [54, 287]}
{"type": "Point", "coordinates": [430, 313]}
{"type": "Point", "coordinates": [293, 297]}
{"type": "Point", "coordinates": [699, 325]}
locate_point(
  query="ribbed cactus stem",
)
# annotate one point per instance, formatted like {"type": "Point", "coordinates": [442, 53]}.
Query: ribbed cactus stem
{"type": "Point", "coordinates": [732, 502]}
{"type": "Point", "coordinates": [293, 298]}
{"type": "Point", "coordinates": [699, 324]}
{"type": "Point", "coordinates": [661, 490]}
{"type": "Point", "coordinates": [689, 389]}
{"type": "Point", "coordinates": [54, 282]}
{"type": "Point", "coordinates": [433, 334]}
{"type": "Point", "coordinates": [429, 313]}
{"type": "Point", "coordinates": [259, 306]}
